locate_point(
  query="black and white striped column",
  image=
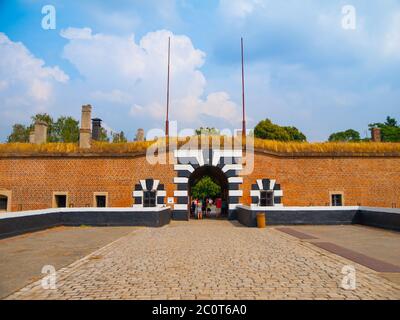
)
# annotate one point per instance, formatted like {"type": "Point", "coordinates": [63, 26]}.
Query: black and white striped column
{"type": "Point", "coordinates": [228, 161]}
{"type": "Point", "coordinates": [266, 185]}
{"type": "Point", "coordinates": [148, 185]}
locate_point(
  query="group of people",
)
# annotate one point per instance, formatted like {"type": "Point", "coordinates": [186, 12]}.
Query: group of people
{"type": "Point", "coordinates": [207, 208]}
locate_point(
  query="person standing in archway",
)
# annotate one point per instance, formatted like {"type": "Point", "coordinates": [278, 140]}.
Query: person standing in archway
{"type": "Point", "coordinates": [199, 210]}
{"type": "Point", "coordinates": [193, 208]}
{"type": "Point", "coordinates": [218, 204]}
{"type": "Point", "coordinates": [224, 207]}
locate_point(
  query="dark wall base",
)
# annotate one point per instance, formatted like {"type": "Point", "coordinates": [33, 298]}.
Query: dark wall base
{"type": "Point", "coordinates": [16, 226]}
{"type": "Point", "coordinates": [19, 225]}
{"type": "Point", "coordinates": [380, 219]}
{"type": "Point", "coordinates": [120, 218]}
{"type": "Point", "coordinates": [232, 215]}
{"type": "Point", "coordinates": [376, 218]}
{"type": "Point", "coordinates": [180, 215]}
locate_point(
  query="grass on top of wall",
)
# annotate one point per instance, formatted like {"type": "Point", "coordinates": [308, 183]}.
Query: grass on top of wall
{"type": "Point", "coordinates": [326, 147]}
{"type": "Point", "coordinates": [259, 144]}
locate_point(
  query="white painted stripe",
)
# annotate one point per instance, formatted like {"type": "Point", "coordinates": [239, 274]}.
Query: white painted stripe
{"type": "Point", "coordinates": [228, 167]}
{"type": "Point", "coordinates": [318, 208]}
{"type": "Point", "coordinates": [138, 193]}
{"type": "Point", "coordinates": [235, 180]}
{"type": "Point", "coordinates": [134, 208]}
{"type": "Point", "coordinates": [161, 193]}
{"type": "Point", "coordinates": [155, 184]}
{"type": "Point", "coordinates": [180, 206]}
{"type": "Point", "coordinates": [278, 205]}
{"type": "Point", "coordinates": [260, 184]}
{"type": "Point", "coordinates": [198, 154]}
{"type": "Point", "coordinates": [255, 193]}
{"type": "Point", "coordinates": [143, 184]}
{"type": "Point", "coordinates": [235, 193]}
{"type": "Point", "coordinates": [278, 193]}
{"type": "Point", "coordinates": [183, 167]}
{"type": "Point", "coordinates": [232, 206]}
{"type": "Point", "coordinates": [180, 193]}
{"type": "Point", "coordinates": [272, 184]}
{"type": "Point", "coordinates": [377, 209]}
{"type": "Point", "coordinates": [181, 180]}
{"type": "Point", "coordinates": [137, 206]}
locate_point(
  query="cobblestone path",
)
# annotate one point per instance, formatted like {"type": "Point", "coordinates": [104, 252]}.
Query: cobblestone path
{"type": "Point", "coordinates": [210, 260]}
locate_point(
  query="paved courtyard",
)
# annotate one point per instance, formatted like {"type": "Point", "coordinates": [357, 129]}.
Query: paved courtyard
{"type": "Point", "coordinates": [211, 260]}
{"type": "Point", "coordinates": [23, 257]}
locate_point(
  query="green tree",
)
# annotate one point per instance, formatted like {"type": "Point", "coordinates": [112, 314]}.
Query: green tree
{"type": "Point", "coordinates": [104, 135]}
{"type": "Point", "coordinates": [390, 131]}
{"type": "Point", "coordinates": [118, 137]}
{"type": "Point", "coordinates": [51, 134]}
{"type": "Point", "coordinates": [265, 129]}
{"type": "Point", "coordinates": [206, 187]}
{"type": "Point", "coordinates": [349, 135]}
{"type": "Point", "coordinates": [20, 133]}
{"type": "Point", "coordinates": [295, 134]}
{"type": "Point", "coordinates": [66, 129]}
{"type": "Point", "coordinates": [207, 131]}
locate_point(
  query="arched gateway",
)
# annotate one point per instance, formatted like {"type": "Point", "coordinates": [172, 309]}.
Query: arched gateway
{"type": "Point", "coordinates": [222, 165]}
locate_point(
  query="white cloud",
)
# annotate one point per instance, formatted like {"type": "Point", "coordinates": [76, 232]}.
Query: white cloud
{"type": "Point", "coordinates": [76, 33]}
{"type": "Point", "coordinates": [240, 8]}
{"type": "Point", "coordinates": [118, 69]}
{"type": "Point", "coordinates": [26, 85]}
{"type": "Point", "coordinates": [392, 38]}
{"type": "Point", "coordinates": [114, 96]}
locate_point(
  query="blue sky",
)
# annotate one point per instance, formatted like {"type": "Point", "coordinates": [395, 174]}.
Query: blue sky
{"type": "Point", "coordinates": [302, 67]}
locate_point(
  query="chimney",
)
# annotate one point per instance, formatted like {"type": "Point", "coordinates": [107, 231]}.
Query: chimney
{"type": "Point", "coordinates": [40, 132]}
{"type": "Point", "coordinates": [376, 134]}
{"type": "Point", "coordinates": [85, 131]}
{"type": "Point", "coordinates": [139, 135]}
{"type": "Point", "coordinates": [32, 137]}
{"type": "Point", "coordinates": [96, 124]}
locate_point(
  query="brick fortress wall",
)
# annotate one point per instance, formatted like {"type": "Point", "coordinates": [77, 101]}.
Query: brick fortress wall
{"type": "Point", "coordinates": [367, 181]}
{"type": "Point", "coordinates": [33, 180]}
{"type": "Point", "coordinates": [305, 181]}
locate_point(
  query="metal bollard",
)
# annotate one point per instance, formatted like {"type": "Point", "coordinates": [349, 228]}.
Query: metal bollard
{"type": "Point", "coordinates": [261, 220]}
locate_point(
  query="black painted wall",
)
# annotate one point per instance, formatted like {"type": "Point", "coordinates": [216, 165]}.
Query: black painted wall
{"type": "Point", "coordinates": [19, 225]}
{"type": "Point", "coordinates": [386, 220]}
{"type": "Point", "coordinates": [378, 219]}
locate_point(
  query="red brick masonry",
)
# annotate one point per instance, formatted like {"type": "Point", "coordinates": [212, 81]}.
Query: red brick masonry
{"type": "Point", "coordinates": [305, 180]}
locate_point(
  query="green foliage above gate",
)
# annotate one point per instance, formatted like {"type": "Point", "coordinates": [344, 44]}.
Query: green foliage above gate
{"type": "Point", "coordinates": [205, 187]}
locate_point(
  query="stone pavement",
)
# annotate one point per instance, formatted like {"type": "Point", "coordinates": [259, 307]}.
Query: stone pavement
{"type": "Point", "coordinates": [210, 260]}
{"type": "Point", "coordinates": [23, 256]}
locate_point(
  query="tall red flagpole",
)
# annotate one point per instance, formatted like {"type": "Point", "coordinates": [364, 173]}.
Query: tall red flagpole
{"type": "Point", "coordinates": [243, 100]}
{"type": "Point", "coordinates": [169, 58]}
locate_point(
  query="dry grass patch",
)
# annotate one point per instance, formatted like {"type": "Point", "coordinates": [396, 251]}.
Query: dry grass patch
{"type": "Point", "coordinates": [224, 142]}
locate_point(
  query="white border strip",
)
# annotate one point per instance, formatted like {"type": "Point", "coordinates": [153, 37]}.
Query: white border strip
{"type": "Point", "coordinates": [327, 208]}
{"type": "Point", "coordinates": [180, 206]}
{"type": "Point", "coordinates": [181, 180]}
{"type": "Point", "coordinates": [180, 193]}
{"type": "Point", "coordinates": [228, 167]}
{"type": "Point", "coordinates": [138, 193]}
{"type": "Point", "coordinates": [235, 193]}
{"type": "Point", "coordinates": [20, 214]}
{"type": "Point", "coordinates": [235, 180]}
{"type": "Point", "coordinates": [183, 167]}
